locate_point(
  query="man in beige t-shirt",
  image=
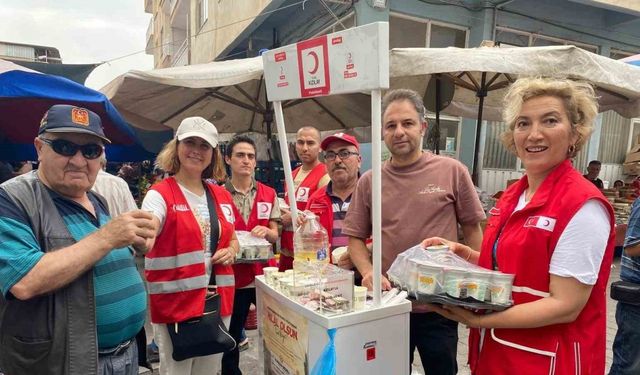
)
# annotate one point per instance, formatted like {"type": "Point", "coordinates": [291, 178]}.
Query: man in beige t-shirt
{"type": "Point", "coordinates": [423, 195]}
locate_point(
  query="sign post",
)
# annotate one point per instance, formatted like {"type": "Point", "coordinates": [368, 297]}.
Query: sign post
{"type": "Point", "coordinates": [349, 61]}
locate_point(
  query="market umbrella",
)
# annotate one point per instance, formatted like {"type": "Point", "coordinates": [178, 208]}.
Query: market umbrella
{"type": "Point", "coordinates": [482, 75]}
{"type": "Point", "coordinates": [633, 60]}
{"type": "Point", "coordinates": [25, 96]}
{"type": "Point", "coordinates": [230, 94]}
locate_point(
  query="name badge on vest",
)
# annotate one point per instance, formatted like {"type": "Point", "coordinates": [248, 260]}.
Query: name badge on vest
{"type": "Point", "coordinates": [542, 222]}
{"type": "Point", "coordinates": [228, 212]}
{"type": "Point", "coordinates": [264, 210]}
{"type": "Point", "coordinates": [302, 195]}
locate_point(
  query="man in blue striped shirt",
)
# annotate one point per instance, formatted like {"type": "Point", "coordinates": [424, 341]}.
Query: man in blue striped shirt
{"type": "Point", "coordinates": [72, 300]}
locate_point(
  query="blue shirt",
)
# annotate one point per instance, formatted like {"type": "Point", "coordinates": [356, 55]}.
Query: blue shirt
{"type": "Point", "coordinates": [630, 270]}
{"type": "Point", "coordinates": [120, 297]}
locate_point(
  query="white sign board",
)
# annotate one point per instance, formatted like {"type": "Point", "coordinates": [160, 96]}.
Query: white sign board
{"type": "Point", "coordinates": [348, 61]}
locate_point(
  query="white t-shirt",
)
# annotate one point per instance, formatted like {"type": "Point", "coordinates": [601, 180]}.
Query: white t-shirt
{"type": "Point", "coordinates": [155, 203]}
{"type": "Point", "coordinates": [592, 222]}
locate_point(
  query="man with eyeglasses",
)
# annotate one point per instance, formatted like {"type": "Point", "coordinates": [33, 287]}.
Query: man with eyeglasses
{"type": "Point", "coordinates": [72, 300]}
{"type": "Point", "coordinates": [331, 202]}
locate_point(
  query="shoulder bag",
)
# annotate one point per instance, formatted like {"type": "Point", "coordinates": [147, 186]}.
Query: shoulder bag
{"type": "Point", "coordinates": [207, 334]}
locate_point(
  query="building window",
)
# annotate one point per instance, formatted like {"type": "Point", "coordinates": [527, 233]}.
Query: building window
{"type": "Point", "coordinates": [407, 32]}
{"type": "Point", "coordinates": [449, 135]}
{"type": "Point", "coordinates": [617, 54]}
{"type": "Point", "coordinates": [496, 155]}
{"type": "Point", "coordinates": [507, 37]}
{"type": "Point", "coordinates": [202, 13]}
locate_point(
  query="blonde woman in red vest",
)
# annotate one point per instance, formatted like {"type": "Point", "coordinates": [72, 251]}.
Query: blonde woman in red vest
{"type": "Point", "coordinates": [307, 178]}
{"type": "Point", "coordinates": [553, 230]}
{"type": "Point", "coordinates": [180, 263]}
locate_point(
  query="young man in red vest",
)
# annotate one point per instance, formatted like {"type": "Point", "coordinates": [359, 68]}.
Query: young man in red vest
{"type": "Point", "coordinates": [307, 178]}
{"type": "Point", "coordinates": [257, 211]}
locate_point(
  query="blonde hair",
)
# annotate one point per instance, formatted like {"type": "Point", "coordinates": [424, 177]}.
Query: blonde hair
{"type": "Point", "coordinates": [168, 161]}
{"type": "Point", "coordinates": [579, 100]}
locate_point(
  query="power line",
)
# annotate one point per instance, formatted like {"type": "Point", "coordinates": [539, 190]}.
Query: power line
{"type": "Point", "coordinates": [211, 30]}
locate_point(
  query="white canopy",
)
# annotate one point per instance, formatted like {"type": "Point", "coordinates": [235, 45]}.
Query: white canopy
{"type": "Point", "coordinates": [617, 84]}
{"type": "Point", "coordinates": [230, 94]}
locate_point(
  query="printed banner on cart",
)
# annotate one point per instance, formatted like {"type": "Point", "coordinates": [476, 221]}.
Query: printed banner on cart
{"type": "Point", "coordinates": [285, 337]}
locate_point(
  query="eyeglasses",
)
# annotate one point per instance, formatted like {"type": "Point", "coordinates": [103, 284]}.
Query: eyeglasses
{"type": "Point", "coordinates": [343, 154]}
{"type": "Point", "coordinates": [67, 148]}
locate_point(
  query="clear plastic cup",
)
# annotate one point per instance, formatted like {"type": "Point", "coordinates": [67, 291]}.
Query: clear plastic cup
{"type": "Point", "coordinates": [359, 297]}
{"type": "Point", "coordinates": [476, 284]}
{"type": "Point", "coordinates": [454, 282]}
{"type": "Point", "coordinates": [500, 287]}
{"type": "Point", "coordinates": [429, 279]}
{"type": "Point", "coordinates": [268, 274]}
{"type": "Point", "coordinates": [412, 277]}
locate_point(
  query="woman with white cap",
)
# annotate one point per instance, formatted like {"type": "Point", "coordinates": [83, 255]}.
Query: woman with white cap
{"type": "Point", "coordinates": [180, 263]}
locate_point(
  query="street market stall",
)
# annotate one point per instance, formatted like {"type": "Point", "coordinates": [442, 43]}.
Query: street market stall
{"type": "Point", "coordinates": [297, 338]}
{"type": "Point", "coordinates": [25, 96]}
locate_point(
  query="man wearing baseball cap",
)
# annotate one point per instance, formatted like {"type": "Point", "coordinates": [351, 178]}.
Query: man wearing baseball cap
{"type": "Point", "coordinates": [72, 300]}
{"type": "Point", "coordinates": [331, 202]}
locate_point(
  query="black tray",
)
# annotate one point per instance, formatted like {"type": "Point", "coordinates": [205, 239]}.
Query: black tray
{"type": "Point", "coordinates": [445, 299]}
{"type": "Point", "coordinates": [253, 260]}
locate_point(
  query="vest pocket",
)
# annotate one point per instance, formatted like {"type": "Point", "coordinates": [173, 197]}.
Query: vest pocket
{"type": "Point", "coordinates": [26, 355]}
{"type": "Point", "coordinates": [532, 352]}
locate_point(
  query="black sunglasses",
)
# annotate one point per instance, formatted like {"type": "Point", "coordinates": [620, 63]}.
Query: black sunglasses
{"type": "Point", "coordinates": [67, 148]}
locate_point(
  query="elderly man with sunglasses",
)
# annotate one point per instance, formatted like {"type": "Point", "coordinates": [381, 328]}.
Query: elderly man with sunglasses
{"type": "Point", "coordinates": [72, 300]}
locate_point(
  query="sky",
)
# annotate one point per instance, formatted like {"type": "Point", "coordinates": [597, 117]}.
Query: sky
{"type": "Point", "coordinates": [84, 31]}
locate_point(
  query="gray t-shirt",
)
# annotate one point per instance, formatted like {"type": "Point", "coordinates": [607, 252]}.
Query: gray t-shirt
{"type": "Point", "coordinates": [425, 199]}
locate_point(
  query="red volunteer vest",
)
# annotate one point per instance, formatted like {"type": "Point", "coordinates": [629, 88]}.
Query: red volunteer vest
{"type": "Point", "coordinates": [526, 243]}
{"type": "Point", "coordinates": [307, 187]}
{"type": "Point", "coordinates": [260, 213]}
{"type": "Point", "coordinates": [174, 268]}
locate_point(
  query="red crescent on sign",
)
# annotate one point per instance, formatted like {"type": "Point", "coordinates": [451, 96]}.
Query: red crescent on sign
{"type": "Point", "coordinates": [264, 208]}
{"type": "Point", "coordinates": [546, 223]}
{"type": "Point", "coordinates": [315, 58]}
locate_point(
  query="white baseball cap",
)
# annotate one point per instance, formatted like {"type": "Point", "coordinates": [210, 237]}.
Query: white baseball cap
{"type": "Point", "coordinates": [198, 127]}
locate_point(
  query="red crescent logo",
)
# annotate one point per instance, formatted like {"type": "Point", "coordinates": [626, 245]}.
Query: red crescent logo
{"type": "Point", "coordinates": [315, 59]}
{"type": "Point", "coordinates": [264, 208]}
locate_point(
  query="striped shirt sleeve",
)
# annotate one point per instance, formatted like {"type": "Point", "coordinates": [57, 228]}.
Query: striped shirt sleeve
{"type": "Point", "coordinates": [19, 249]}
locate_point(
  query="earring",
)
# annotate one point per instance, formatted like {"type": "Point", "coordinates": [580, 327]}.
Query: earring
{"type": "Point", "coordinates": [572, 150]}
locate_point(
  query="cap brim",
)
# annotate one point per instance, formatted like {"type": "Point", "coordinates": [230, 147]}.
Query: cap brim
{"type": "Point", "coordinates": [209, 140]}
{"type": "Point", "coordinates": [330, 139]}
{"type": "Point", "coordinates": [77, 130]}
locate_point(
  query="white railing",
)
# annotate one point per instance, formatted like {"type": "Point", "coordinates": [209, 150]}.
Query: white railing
{"type": "Point", "coordinates": [149, 48]}
{"type": "Point", "coordinates": [181, 57]}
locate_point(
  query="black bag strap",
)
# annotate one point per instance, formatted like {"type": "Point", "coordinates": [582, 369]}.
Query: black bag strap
{"type": "Point", "coordinates": [215, 228]}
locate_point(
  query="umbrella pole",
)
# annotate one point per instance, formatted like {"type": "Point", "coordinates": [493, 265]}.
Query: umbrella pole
{"type": "Point", "coordinates": [286, 162]}
{"type": "Point", "coordinates": [436, 131]}
{"type": "Point", "coordinates": [482, 92]}
{"type": "Point", "coordinates": [376, 192]}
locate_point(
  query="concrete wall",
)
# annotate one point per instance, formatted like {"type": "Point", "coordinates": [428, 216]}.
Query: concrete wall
{"type": "Point", "coordinates": [225, 17]}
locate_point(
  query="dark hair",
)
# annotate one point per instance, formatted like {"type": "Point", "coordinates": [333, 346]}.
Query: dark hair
{"type": "Point", "coordinates": [405, 94]}
{"type": "Point", "coordinates": [595, 162]}
{"type": "Point", "coordinates": [239, 139]}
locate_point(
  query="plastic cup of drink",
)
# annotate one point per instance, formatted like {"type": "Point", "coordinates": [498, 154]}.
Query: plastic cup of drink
{"type": "Point", "coordinates": [429, 278]}
{"type": "Point", "coordinates": [359, 297]}
{"type": "Point", "coordinates": [268, 274]}
{"type": "Point", "coordinates": [412, 277]}
{"type": "Point", "coordinates": [454, 282]}
{"type": "Point", "coordinates": [477, 284]}
{"type": "Point", "coordinates": [500, 287]}
{"type": "Point", "coordinates": [438, 248]}
{"type": "Point", "coordinates": [337, 253]}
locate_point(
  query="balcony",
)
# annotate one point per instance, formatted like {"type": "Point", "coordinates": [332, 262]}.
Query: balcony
{"type": "Point", "coordinates": [148, 6]}
{"type": "Point", "coordinates": [181, 57]}
{"type": "Point", "coordinates": [150, 45]}
{"type": "Point", "coordinates": [179, 14]}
